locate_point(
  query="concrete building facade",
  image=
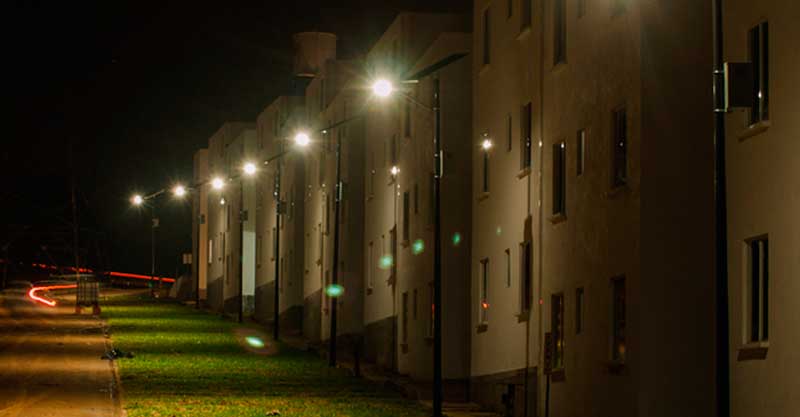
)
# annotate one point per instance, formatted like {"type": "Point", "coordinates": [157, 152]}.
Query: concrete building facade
{"type": "Point", "coordinates": [582, 235]}
{"type": "Point", "coordinates": [231, 227]}
{"type": "Point", "coordinates": [763, 202]}
{"type": "Point", "coordinates": [200, 244]}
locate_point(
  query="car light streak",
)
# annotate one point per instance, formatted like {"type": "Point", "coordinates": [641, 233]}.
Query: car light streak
{"type": "Point", "coordinates": [52, 303]}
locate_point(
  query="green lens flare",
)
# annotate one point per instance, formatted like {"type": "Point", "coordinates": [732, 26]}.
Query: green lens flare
{"type": "Point", "coordinates": [254, 341]}
{"type": "Point", "coordinates": [334, 290]}
{"type": "Point", "coordinates": [418, 247]}
{"type": "Point", "coordinates": [386, 262]}
{"type": "Point", "coordinates": [499, 231]}
{"type": "Point", "coordinates": [456, 239]}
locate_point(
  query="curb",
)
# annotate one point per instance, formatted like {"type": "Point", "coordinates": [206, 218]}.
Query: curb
{"type": "Point", "coordinates": [116, 384]}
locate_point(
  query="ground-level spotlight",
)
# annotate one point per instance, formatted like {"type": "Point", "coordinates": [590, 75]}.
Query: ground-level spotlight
{"type": "Point", "coordinates": [254, 341]}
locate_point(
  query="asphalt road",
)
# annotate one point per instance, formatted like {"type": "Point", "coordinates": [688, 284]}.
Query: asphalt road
{"type": "Point", "coordinates": [50, 362]}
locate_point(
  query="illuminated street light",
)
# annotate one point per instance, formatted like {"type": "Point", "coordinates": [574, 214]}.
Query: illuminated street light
{"type": "Point", "coordinates": [217, 183]}
{"type": "Point", "coordinates": [179, 191]}
{"type": "Point", "coordinates": [302, 139]}
{"type": "Point", "coordinates": [137, 200]}
{"type": "Point", "coordinates": [382, 88]}
{"type": "Point", "coordinates": [249, 168]}
{"type": "Point", "coordinates": [395, 170]}
{"type": "Point", "coordinates": [222, 201]}
{"type": "Point", "coordinates": [486, 144]}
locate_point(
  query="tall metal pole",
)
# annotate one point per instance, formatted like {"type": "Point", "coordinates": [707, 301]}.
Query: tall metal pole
{"type": "Point", "coordinates": [335, 277]}
{"type": "Point", "coordinates": [437, 254]}
{"type": "Point", "coordinates": [153, 221]}
{"type": "Point", "coordinates": [277, 298]}
{"type": "Point", "coordinates": [721, 221]}
{"type": "Point", "coordinates": [199, 248]}
{"type": "Point", "coordinates": [241, 250]}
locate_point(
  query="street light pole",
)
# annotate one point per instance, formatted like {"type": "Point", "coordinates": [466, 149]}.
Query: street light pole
{"type": "Point", "coordinates": [241, 249]}
{"type": "Point", "coordinates": [277, 297]}
{"type": "Point", "coordinates": [335, 278]}
{"type": "Point", "coordinates": [153, 226]}
{"type": "Point", "coordinates": [437, 254]}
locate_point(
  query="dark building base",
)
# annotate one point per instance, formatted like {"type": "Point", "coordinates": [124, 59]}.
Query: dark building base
{"type": "Point", "coordinates": [214, 299]}
{"type": "Point", "coordinates": [265, 300]}
{"type": "Point", "coordinates": [312, 317]}
{"type": "Point", "coordinates": [505, 392]}
{"type": "Point", "coordinates": [380, 343]}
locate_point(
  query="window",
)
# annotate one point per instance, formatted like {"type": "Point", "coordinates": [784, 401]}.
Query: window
{"type": "Point", "coordinates": [527, 15]}
{"type": "Point", "coordinates": [486, 38]}
{"type": "Point", "coordinates": [618, 320]}
{"type": "Point", "coordinates": [414, 304]}
{"type": "Point", "coordinates": [485, 179]}
{"type": "Point", "coordinates": [404, 333]}
{"type": "Point", "coordinates": [321, 169]}
{"type": "Point", "coordinates": [406, 213]}
{"type": "Point", "coordinates": [393, 251]}
{"type": "Point", "coordinates": [759, 57]}
{"type": "Point", "coordinates": [509, 133]}
{"type": "Point", "coordinates": [393, 150]}
{"type": "Point", "coordinates": [557, 330]}
{"type": "Point", "coordinates": [580, 152]}
{"type": "Point", "coordinates": [508, 268]}
{"type": "Point", "coordinates": [581, 8]}
{"type": "Point", "coordinates": [483, 296]}
{"type": "Point", "coordinates": [559, 179]}
{"type": "Point", "coordinates": [559, 32]}
{"type": "Point", "coordinates": [619, 145]}
{"type": "Point", "coordinates": [322, 95]}
{"type": "Point", "coordinates": [525, 276]}
{"type": "Point", "coordinates": [210, 251]}
{"type": "Point", "coordinates": [758, 288]}
{"type": "Point", "coordinates": [432, 310]}
{"type": "Point", "coordinates": [509, 8]}
{"type": "Point", "coordinates": [579, 310]}
{"type": "Point", "coordinates": [526, 130]}
{"type": "Point", "coordinates": [370, 265]}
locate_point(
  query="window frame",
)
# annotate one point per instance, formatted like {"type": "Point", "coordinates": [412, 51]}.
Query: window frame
{"type": "Point", "coordinates": [559, 191]}
{"type": "Point", "coordinates": [483, 292]}
{"type": "Point", "coordinates": [756, 286]}
{"type": "Point", "coordinates": [758, 53]}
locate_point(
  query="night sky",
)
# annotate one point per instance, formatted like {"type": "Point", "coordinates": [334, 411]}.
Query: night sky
{"type": "Point", "coordinates": [121, 94]}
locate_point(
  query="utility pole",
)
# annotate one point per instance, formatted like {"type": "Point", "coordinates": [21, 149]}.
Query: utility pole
{"type": "Point", "coordinates": [437, 252]}
{"type": "Point", "coordinates": [721, 221]}
{"type": "Point", "coordinates": [153, 227]}
{"type": "Point", "coordinates": [242, 214]}
{"type": "Point", "coordinates": [337, 198]}
{"type": "Point", "coordinates": [278, 207]}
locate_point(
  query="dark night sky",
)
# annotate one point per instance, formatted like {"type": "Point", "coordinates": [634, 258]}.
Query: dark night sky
{"type": "Point", "coordinates": [134, 88]}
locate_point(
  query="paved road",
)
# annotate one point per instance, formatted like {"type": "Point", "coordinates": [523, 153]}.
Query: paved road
{"type": "Point", "coordinates": [50, 362]}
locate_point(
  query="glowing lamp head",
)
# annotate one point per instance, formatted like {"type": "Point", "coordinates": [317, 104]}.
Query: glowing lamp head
{"type": "Point", "coordinates": [217, 183]}
{"type": "Point", "coordinates": [486, 144]}
{"type": "Point", "coordinates": [137, 200]}
{"type": "Point", "coordinates": [179, 191]}
{"type": "Point", "coordinates": [249, 168]}
{"type": "Point", "coordinates": [302, 139]}
{"type": "Point", "coordinates": [222, 201]}
{"type": "Point", "coordinates": [395, 170]}
{"type": "Point", "coordinates": [382, 88]}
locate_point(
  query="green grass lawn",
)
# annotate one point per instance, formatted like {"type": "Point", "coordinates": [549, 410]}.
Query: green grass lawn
{"type": "Point", "coordinates": [189, 363]}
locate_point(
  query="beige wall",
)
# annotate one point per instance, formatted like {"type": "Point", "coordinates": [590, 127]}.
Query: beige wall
{"type": "Point", "coordinates": [200, 222]}
{"type": "Point", "coordinates": [763, 200]}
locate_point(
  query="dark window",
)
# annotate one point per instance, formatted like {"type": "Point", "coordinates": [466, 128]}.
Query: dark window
{"type": "Point", "coordinates": [758, 263]}
{"type": "Point", "coordinates": [559, 32]}
{"type": "Point", "coordinates": [525, 276]}
{"type": "Point", "coordinates": [484, 292]}
{"type": "Point", "coordinates": [406, 213]}
{"type": "Point", "coordinates": [432, 309]}
{"type": "Point", "coordinates": [581, 8]}
{"type": "Point", "coordinates": [559, 178]}
{"type": "Point", "coordinates": [579, 310]}
{"type": "Point", "coordinates": [509, 8]}
{"type": "Point", "coordinates": [416, 198]}
{"type": "Point", "coordinates": [508, 268]}
{"type": "Point", "coordinates": [485, 179]}
{"type": "Point", "coordinates": [414, 305]}
{"type": "Point", "coordinates": [527, 14]}
{"type": "Point", "coordinates": [557, 330]}
{"type": "Point", "coordinates": [526, 125]}
{"type": "Point", "coordinates": [509, 133]}
{"type": "Point", "coordinates": [618, 320]}
{"type": "Point", "coordinates": [619, 143]}
{"type": "Point", "coordinates": [486, 38]}
{"type": "Point", "coordinates": [580, 151]}
{"type": "Point", "coordinates": [405, 318]}
{"type": "Point", "coordinates": [759, 57]}
{"type": "Point", "coordinates": [407, 119]}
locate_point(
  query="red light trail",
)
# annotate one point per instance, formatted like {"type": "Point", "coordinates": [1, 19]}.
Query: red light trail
{"type": "Point", "coordinates": [52, 303]}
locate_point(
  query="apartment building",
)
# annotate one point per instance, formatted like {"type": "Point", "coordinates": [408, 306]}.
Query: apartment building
{"type": "Point", "coordinates": [592, 209]}
{"type": "Point", "coordinates": [278, 160]}
{"type": "Point", "coordinates": [231, 227]}
{"type": "Point", "coordinates": [762, 171]}
{"type": "Point", "coordinates": [332, 123]}
{"type": "Point", "coordinates": [398, 221]}
{"type": "Point", "coordinates": [200, 246]}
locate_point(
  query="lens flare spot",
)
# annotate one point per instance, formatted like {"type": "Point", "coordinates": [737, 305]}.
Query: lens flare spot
{"type": "Point", "coordinates": [254, 341]}
{"type": "Point", "coordinates": [499, 231]}
{"type": "Point", "coordinates": [386, 262]}
{"type": "Point", "coordinates": [456, 239]}
{"type": "Point", "coordinates": [418, 246]}
{"type": "Point", "coordinates": [334, 290]}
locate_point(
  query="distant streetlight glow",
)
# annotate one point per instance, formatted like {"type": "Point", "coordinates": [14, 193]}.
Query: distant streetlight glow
{"type": "Point", "coordinates": [137, 200]}
{"type": "Point", "coordinates": [249, 168]}
{"type": "Point", "coordinates": [486, 144]}
{"type": "Point", "coordinates": [179, 191]}
{"type": "Point", "coordinates": [395, 170]}
{"type": "Point", "coordinates": [302, 139]}
{"type": "Point", "coordinates": [382, 88]}
{"type": "Point", "coordinates": [222, 201]}
{"type": "Point", "coordinates": [217, 183]}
